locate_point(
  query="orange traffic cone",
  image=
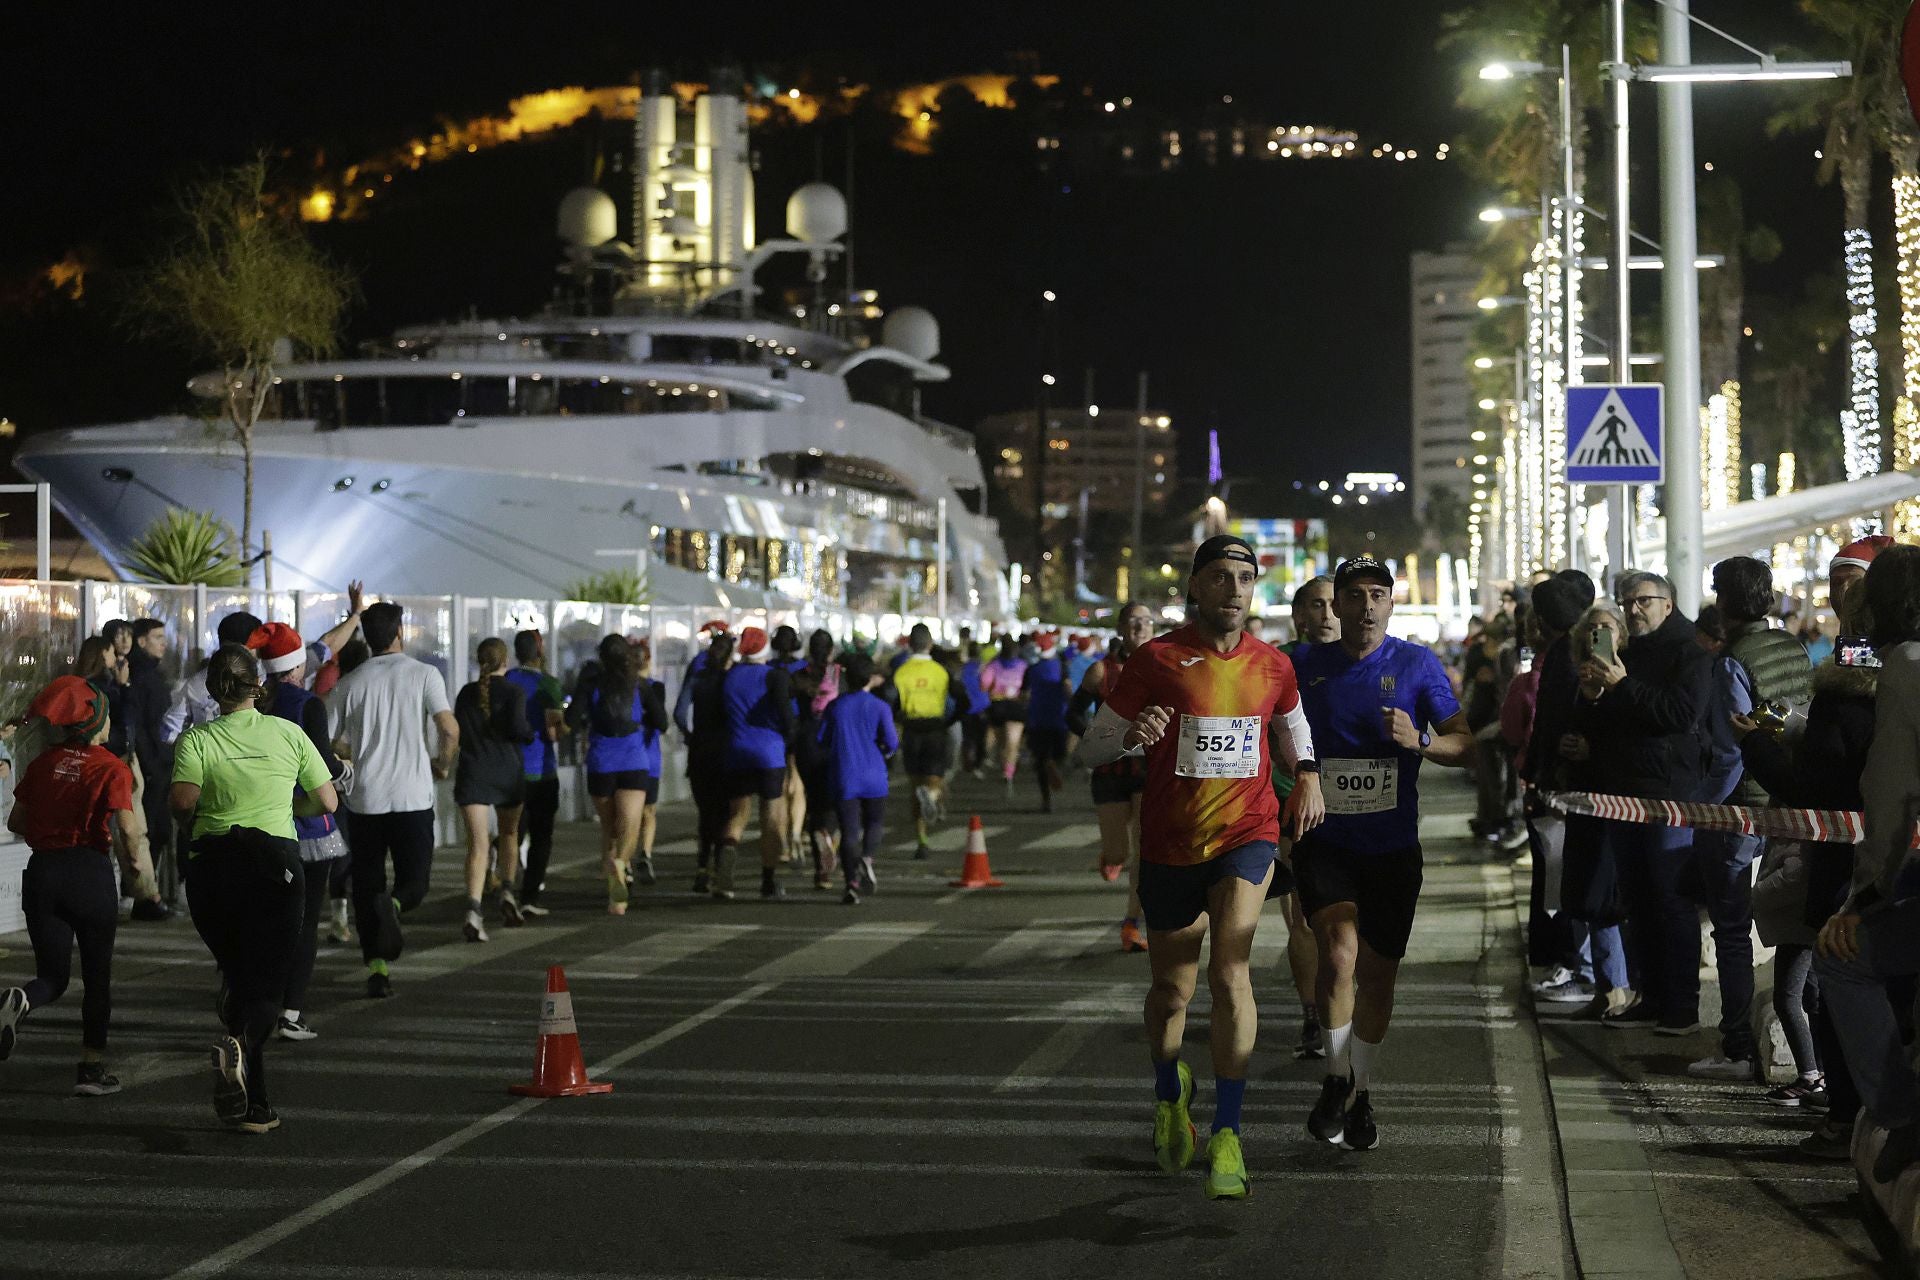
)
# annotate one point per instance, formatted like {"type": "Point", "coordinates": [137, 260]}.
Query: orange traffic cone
{"type": "Point", "coordinates": [974, 871]}
{"type": "Point", "coordinates": [558, 1071]}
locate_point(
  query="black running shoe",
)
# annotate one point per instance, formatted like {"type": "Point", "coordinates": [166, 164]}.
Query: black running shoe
{"type": "Point", "coordinates": [851, 897]}
{"type": "Point", "coordinates": [864, 879]}
{"type": "Point", "coordinates": [770, 886]}
{"type": "Point", "coordinates": [229, 1080]}
{"type": "Point", "coordinates": [643, 873]}
{"type": "Point", "coordinates": [1328, 1119]}
{"type": "Point", "coordinates": [1312, 1044]}
{"type": "Point", "coordinates": [379, 986]}
{"type": "Point", "coordinates": [260, 1118]}
{"type": "Point", "coordinates": [1361, 1133]}
{"type": "Point", "coordinates": [13, 1007]}
{"type": "Point", "coordinates": [703, 882]}
{"type": "Point", "coordinates": [93, 1080]}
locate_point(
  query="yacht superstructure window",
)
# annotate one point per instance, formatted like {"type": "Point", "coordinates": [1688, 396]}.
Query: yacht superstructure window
{"type": "Point", "coordinates": [439, 399]}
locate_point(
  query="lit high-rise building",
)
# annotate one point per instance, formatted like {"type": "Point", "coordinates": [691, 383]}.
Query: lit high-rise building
{"type": "Point", "coordinates": [1443, 311]}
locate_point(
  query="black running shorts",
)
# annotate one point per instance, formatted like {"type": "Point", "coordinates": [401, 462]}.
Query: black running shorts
{"type": "Point", "coordinates": [1384, 887]}
{"type": "Point", "coordinates": [1173, 897]}
{"type": "Point", "coordinates": [768, 784]}
{"type": "Point", "coordinates": [925, 748]}
{"type": "Point", "coordinates": [1117, 787]}
{"type": "Point", "coordinates": [605, 784]}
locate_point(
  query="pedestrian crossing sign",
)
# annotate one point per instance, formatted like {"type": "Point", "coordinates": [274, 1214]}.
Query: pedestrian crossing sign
{"type": "Point", "coordinates": [1613, 433]}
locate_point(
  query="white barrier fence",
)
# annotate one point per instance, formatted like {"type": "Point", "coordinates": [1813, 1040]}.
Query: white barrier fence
{"type": "Point", "coordinates": [42, 625]}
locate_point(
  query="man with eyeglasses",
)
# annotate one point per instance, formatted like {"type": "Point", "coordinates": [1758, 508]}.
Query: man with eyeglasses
{"type": "Point", "coordinates": [1647, 705]}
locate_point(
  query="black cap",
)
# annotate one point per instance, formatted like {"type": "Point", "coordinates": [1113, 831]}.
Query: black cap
{"type": "Point", "coordinates": [1224, 546]}
{"type": "Point", "coordinates": [1361, 567]}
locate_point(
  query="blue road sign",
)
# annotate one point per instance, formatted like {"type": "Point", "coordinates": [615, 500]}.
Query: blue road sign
{"type": "Point", "coordinates": [1614, 433]}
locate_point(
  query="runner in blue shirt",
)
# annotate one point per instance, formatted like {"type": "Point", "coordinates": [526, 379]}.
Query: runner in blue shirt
{"type": "Point", "coordinates": [1377, 708]}
{"type": "Point", "coordinates": [857, 732]}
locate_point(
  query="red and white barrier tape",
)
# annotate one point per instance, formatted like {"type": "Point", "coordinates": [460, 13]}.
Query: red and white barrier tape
{"type": "Point", "coordinates": [1839, 825]}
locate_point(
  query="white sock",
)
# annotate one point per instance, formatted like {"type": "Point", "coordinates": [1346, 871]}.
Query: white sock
{"type": "Point", "coordinates": [290, 1015]}
{"type": "Point", "coordinates": [1338, 1060]}
{"type": "Point", "coordinates": [1364, 1054]}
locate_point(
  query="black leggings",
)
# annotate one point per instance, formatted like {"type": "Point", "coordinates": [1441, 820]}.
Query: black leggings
{"type": "Point", "coordinates": [68, 894]}
{"type": "Point", "coordinates": [320, 879]}
{"type": "Point", "coordinates": [536, 819]}
{"type": "Point", "coordinates": [247, 892]}
{"type": "Point", "coordinates": [371, 837]}
{"type": "Point", "coordinates": [863, 818]}
{"type": "Point", "coordinates": [708, 780]}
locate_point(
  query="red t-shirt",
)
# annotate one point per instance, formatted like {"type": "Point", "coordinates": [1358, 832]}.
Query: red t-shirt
{"type": "Point", "coordinates": [68, 797]}
{"type": "Point", "coordinates": [1209, 788]}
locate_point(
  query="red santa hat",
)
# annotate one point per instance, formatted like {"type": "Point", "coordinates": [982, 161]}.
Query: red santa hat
{"type": "Point", "coordinates": [1046, 640]}
{"type": "Point", "coordinates": [280, 647]}
{"type": "Point", "coordinates": [752, 641]}
{"type": "Point", "coordinates": [713, 625]}
{"type": "Point", "coordinates": [70, 703]}
{"type": "Point", "coordinates": [1860, 554]}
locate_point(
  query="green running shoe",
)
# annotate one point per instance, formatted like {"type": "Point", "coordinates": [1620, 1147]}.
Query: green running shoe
{"type": "Point", "coordinates": [1173, 1131]}
{"type": "Point", "coordinates": [1227, 1174]}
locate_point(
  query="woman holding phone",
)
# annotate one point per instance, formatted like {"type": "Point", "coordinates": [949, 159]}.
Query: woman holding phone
{"type": "Point", "coordinates": [1590, 886]}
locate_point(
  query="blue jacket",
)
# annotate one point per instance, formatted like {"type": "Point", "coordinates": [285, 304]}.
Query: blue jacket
{"type": "Point", "coordinates": [759, 707]}
{"type": "Point", "coordinates": [857, 731]}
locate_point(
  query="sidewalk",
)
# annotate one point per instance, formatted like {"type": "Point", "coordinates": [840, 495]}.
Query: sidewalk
{"type": "Point", "coordinates": [1670, 1176]}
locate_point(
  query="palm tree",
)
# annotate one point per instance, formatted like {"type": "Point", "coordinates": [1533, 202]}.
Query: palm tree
{"type": "Point", "coordinates": [1847, 111]}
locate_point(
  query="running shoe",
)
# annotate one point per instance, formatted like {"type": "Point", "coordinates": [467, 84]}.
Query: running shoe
{"type": "Point", "coordinates": [379, 986]}
{"type": "Point", "coordinates": [1173, 1133]}
{"type": "Point", "coordinates": [1226, 1168]}
{"type": "Point", "coordinates": [643, 872]}
{"type": "Point", "coordinates": [150, 910]}
{"type": "Point", "coordinates": [533, 910]}
{"type": "Point", "coordinates": [1572, 991]}
{"type": "Point", "coordinates": [1555, 976]}
{"type": "Point", "coordinates": [294, 1029]}
{"type": "Point", "coordinates": [475, 930]}
{"type": "Point", "coordinates": [93, 1080]}
{"type": "Point", "coordinates": [922, 851]}
{"type": "Point", "coordinates": [1312, 1044]}
{"type": "Point", "coordinates": [851, 898]}
{"type": "Point", "coordinates": [13, 1007]}
{"type": "Point", "coordinates": [1110, 871]}
{"type": "Point", "coordinates": [923, 804]}
{"type": "Point", "coordinates": [1328, 1119]}
{"type": "Point", "coordinates": [338, 930]}
{"type": "Point", "coordinates": [1804, 1092]}
{"type": "Point", "coordinates": [1719, 1067]}
{"type": "Point", "coordinates": [770, 886]}
{"type": "Point", "coordinates": [1360, 1133]}
{"type": "Point", "coordinates": [229, 1080]}
{"type": "Point", "coordinates": [260, 1118]}
{"type": "Point", "coordinates": [1831, 1141]}
{"type": "Point", "coordinates": [865, 880]}
{"type": "Point", "coordinates": [1131, 937]}
{"type": "Point", "coordinates": [511, 913]}
{"type": "Point", "coordinates": [617, 891]}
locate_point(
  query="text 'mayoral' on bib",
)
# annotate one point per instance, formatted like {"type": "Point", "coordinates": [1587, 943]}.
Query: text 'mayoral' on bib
{"type": "Point", "coordinates": [1219, 746]}
{"type": "Point", "coordinates": [1360, 786]}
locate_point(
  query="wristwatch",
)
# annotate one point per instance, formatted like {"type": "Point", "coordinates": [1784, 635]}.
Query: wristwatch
{"type": "Point", "coordinates": [1306, 766]}
{"type": "Point", "coordinates": [1426, 739]}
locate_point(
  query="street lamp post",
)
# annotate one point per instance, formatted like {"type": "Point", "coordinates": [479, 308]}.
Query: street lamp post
{"type": "Point", "coordinates": [1620, 497]}
{"type": "Point", "coordinates": [1680, 305]}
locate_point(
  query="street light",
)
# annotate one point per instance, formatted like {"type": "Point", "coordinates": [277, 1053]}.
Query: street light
{"type": "Point", "coordinates": [1767, 69]}
{"type": "Point", "coordinates": [1494, 304]}
{"type": "Point", "coordinates": [1510, 70]}
{"type": "Point", "coordinates": [1507, 213]}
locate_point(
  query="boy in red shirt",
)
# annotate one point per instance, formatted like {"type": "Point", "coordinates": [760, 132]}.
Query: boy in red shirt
{"type": "Point", "coordinates": [69, 803]}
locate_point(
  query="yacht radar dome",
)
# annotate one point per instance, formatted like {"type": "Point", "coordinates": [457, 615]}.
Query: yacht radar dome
{"type": "Point", "coordinates": [914, 331]}
{"type": "Point", "coordinates": [817, 213]}
{"type": "Point", "coordinates": [587, 218]}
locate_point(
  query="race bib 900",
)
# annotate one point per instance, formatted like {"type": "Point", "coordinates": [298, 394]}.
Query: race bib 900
{"type": "Point", "coordinates": [1360, 786]}
{"type": "Point", "coordinates": [1219, 747]}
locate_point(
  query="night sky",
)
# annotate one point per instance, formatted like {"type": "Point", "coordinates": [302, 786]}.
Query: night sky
{"type": "Point", "coordinates": [1267, 299]}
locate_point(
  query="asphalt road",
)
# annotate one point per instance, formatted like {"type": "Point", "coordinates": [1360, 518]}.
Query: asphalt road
{"type": "Point", "coordinates": [935, 1082]}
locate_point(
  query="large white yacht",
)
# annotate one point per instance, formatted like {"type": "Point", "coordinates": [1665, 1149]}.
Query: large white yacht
{"type": "Point", "coordinates": [748, 449]}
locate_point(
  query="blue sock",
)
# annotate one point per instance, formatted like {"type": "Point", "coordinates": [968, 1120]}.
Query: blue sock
{"type": "Point", "coordinates": [1226, 1103]}
{"type": "Point", "coordinates": [1166, 1080]}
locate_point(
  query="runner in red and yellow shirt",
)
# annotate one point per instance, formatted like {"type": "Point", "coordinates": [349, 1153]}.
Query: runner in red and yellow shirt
{"type": "Point", "coordinates": [1202, 702]}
